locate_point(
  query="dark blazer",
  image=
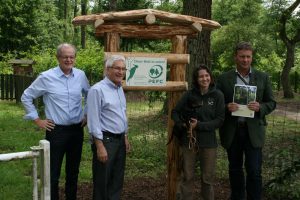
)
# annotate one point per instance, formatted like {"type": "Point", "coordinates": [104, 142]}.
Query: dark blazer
{"type": "Point", "coordinates": [256, 125]}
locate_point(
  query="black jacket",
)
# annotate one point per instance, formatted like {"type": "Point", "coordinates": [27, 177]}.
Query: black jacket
{"type": "Point", "coordinates": [209, 111]}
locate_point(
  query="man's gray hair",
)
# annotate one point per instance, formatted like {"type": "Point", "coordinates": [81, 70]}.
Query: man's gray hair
{"type": "Point", "coordinates": [64, 45]}
{"type": "Point", "coordinates": [110, 61]}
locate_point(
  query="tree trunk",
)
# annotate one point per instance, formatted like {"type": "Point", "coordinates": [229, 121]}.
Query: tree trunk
{"type": "Point", "coordinates": [290, 44]}
{"type": "Point", "coordinates": [76, 29]}
{"type": "Point", "coordinates": [83, 28]}
{"type": "Point", "coordinates": [65, 15]}
{"type": "Point", "coordinates": [198, 48]}
{"type": "Point", "coordinates": [289, 63]}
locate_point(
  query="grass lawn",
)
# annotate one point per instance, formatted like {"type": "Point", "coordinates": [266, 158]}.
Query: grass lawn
{"type": "Point", "coordinates": [147, 158]}
{"type": "Point", "coordinates": [148, 137]}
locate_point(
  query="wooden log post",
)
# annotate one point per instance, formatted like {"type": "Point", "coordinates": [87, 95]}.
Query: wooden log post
{"type": "Point", "coordinates": [111, 42]}
{"type": "Point", "coordinates": [177, 73]}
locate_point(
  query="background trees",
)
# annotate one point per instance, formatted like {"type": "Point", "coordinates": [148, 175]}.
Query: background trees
{"type": "Point", "coordinates": [272, 26]}
{"type": "Point", "coordinates": [289, 33]}
{"type": "Point", "coordinates": [25, 24]}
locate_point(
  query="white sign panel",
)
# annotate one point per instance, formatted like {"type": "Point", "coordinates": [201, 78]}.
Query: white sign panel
{"type": "Point", "coordinates": [143, 71]}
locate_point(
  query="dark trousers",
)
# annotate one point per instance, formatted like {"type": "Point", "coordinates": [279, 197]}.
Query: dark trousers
{"type": "Point", "coordinates": [240, 147]}
{"type": "Point", "coordinates": [207, 158]}
{"type": "Point", "coordinates": [108, 177]}
{"type": "Point", "coordinates": [65, 140]}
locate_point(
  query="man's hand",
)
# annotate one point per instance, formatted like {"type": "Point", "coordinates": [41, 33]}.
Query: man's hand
{"type": "Point", "coordinates": [84, 121]}
{"type": "Point", "coordinates": [232, 107]}
{"type": "Point", "coordinates": [254, 105]}
{"type": "Point", "coordinates": [46, 124]}
{"type": "Point", "coordinates": [101, 151]}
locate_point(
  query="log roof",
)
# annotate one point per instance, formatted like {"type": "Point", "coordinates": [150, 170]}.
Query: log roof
{"type": "Point", "coordinates": [149, 17]}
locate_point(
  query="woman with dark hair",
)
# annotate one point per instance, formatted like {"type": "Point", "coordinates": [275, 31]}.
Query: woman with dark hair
{"type": "Point", "coordinates": [197, 115]}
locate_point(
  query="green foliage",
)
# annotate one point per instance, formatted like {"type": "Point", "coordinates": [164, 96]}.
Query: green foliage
{"type": "Point", "coordinates": [133, 4]}
{"type": "Point", "coordinates": [91, 59]}
{"type": "Point", "coordinates": [281, 161]}
{"type": "Point", "coordinates": [276, 8]}
{"type": "Point", "coordinates": [45, 59]}
{"type": "Point", "coordinates": [24, 24]}
{"type": "Point", "coordinates": [5, 67]}
{"type": "Point", "coordinates": [271, 63]}
{"type": "Point", "coordinates": [286, 185]}
{"type": "Point", "coordinates": [157, 46]}
{"type": "Point", "coordinates": [171, 6]}
{"type": "Point", "coordinates": [241, 23]}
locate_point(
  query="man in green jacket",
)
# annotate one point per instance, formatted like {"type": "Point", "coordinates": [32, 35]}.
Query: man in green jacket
{"type": "Point", "coordinates": [243, 137]}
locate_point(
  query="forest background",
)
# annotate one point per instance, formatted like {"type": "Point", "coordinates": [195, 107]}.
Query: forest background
{"type": "Point", "coordinates": [32, 29]}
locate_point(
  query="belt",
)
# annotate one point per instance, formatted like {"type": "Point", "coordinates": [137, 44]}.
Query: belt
{"type": "Point", "coordinates": [242, 124]}
{"type": "Point", "coordinates": [113, 135]}
{"type": "Point", "coordinates": [69, 126]}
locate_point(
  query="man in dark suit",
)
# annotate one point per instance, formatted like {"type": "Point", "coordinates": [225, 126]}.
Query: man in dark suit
{"type": "Point", "coordinates": [243, 137]}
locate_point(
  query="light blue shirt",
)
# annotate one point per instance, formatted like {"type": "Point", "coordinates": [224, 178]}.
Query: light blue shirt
{"type": "Point", "coordinates": [106, 109]}
{"type": "Point", "coordinates": [62, 96]}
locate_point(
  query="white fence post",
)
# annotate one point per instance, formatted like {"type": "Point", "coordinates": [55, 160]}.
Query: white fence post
{"type": "Point", "coordinates": [45, 170]}
{"type": "Point", "coordinates": [42, 151]}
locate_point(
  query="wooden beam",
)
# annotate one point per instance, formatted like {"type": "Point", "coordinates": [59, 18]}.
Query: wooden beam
{"type": "Point", "coordinates": [112, 16]}
{"type": "Point", "coordinates": [185, 19]}
{"type": "Point", "coordinates": [171, 57]}
{"type": "Point", "coordinates": [171, 86]}
{"type": "Point", "coordinates": [146, 31]}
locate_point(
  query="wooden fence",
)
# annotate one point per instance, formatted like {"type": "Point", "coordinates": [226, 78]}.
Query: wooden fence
{"type": "Point", "coordinates": [12, 86]}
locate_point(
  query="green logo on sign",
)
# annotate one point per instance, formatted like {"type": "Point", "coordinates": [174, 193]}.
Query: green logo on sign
{"type": "Point", "coordinates": [155, 71]}
{"type": "Point", "coordinates": [132, 72]}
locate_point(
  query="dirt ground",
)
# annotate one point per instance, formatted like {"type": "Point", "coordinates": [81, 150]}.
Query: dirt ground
{"type": "Point", "coordinates": [150, 189]}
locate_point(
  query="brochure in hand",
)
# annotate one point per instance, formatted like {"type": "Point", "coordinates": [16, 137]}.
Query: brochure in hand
{"type": "Point", "coordinates": [243, 94]}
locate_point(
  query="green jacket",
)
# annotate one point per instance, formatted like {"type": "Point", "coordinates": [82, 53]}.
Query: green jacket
{"type": "Point", "coordinates": [208, 109]}
{"type": "Point", "coordinates": [256, 125]}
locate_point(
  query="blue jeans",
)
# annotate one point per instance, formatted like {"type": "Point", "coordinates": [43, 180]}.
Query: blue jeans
{"type": "Point", "coordinates": [65, 140]}
{"type": "Point", "coordinates": [240, 149]}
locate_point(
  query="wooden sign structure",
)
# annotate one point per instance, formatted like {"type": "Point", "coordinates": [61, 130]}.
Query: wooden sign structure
{"type": "Point", "coordinates": [153, 24]}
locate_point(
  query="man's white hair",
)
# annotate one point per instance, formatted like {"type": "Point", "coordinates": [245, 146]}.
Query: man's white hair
{"type": "Point", "coordinates": [64, 45]}
{"type": "Point", "coordinates": [110, 61]}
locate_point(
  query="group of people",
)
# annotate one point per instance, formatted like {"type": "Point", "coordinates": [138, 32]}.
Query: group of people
{"type": "Point", "coordinates": [198, 114]}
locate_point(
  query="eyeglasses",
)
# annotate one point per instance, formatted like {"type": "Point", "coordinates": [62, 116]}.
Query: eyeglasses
{"type": "Point", "coordinates": [119, 69]}
{"type": "Point", "coordinates": [67, 57]}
